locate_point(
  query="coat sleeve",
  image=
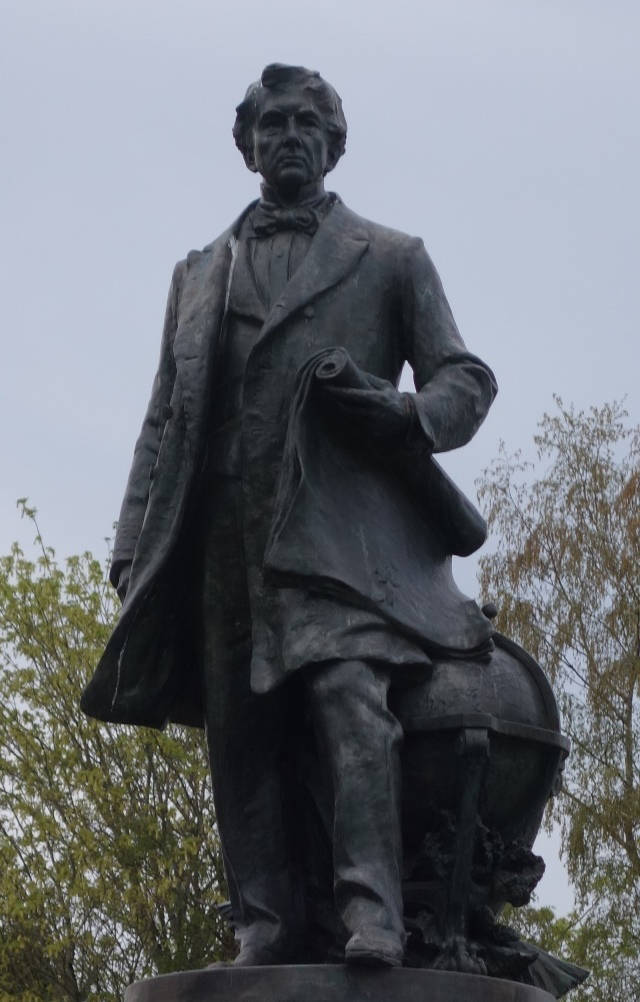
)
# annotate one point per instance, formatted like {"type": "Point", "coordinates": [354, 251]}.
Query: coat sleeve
{"type": "Point", "coordinates": [145, 454]}
{"type": "Point", "coordinates": [454, 388]}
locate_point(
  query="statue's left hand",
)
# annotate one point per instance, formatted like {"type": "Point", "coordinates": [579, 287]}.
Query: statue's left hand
{"type": "Point", "coordinates": [381, 414]}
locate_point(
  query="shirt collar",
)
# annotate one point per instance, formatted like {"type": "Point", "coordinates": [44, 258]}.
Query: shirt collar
{"type": "Point", "coordinates": [309, 196]}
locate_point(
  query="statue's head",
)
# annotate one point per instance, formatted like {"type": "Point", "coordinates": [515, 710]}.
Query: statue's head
{"type": "Point", "coordinates": [290, 127]}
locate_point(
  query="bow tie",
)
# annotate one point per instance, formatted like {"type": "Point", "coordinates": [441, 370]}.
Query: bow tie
{"type": "Point", "coordinates": [269, 218]}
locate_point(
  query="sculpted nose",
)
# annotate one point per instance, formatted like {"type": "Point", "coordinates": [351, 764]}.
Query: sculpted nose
{"type": "Point", "coordinates": [291, 136]}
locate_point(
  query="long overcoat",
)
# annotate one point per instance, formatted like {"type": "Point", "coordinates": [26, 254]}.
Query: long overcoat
{"type": "Point", "coordinates": [361, 286]}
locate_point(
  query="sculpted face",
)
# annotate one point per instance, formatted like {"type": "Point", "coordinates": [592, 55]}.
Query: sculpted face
{"type": "Point", "coordinates": [291, 145]}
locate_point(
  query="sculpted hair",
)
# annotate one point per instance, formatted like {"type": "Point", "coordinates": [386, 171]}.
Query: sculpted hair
{"type": "Point", "coordinates": [277, 76]}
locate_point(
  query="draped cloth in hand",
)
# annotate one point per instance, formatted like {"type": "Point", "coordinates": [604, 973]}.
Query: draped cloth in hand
{"type": "Point", "coordinates": [375, 530]}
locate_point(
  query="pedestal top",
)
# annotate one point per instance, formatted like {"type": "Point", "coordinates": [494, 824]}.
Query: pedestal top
{"type": "Point", "coordinates": [329, 983]}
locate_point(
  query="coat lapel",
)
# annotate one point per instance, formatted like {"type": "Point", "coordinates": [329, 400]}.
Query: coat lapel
{"type": "Point", "coordinates": [245, 297]}
{"type": "Point", "coordinates": [203, 302]}
{"type": "Point", "coordinates": [336, 248]}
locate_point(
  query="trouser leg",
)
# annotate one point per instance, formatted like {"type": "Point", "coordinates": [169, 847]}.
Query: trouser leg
{"type": "Point", "coordinates": [249, 801]}
{"type": "Point", "coordinates": [360, 739]}
{"type": "Point", "coordinates": [245, 742]}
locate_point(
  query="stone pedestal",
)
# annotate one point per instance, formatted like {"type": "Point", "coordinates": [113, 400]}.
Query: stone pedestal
{"type": "Point", "coordinates": [329, 983]}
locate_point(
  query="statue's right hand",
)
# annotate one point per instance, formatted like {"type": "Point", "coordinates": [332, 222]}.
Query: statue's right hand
{"type": "Point", "coordinates": [123, 581]}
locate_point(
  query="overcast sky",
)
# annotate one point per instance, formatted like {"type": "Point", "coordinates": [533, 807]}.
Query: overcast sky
{"type": "Point", "coordinates": [505, 133]}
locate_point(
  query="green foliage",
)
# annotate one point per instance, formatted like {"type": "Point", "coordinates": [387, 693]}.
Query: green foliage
{"type": "Point", "coordinates": [609, 952]}
{"type": "Point", "coordinates": [565, 577]}
{"type": "Point", "coordinates": [110, 866]}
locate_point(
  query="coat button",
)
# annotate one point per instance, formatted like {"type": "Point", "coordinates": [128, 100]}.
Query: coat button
{"type": "Point", "coordinates": [167, 412]}
{"type": "Point", "coordinates": [309, 312]}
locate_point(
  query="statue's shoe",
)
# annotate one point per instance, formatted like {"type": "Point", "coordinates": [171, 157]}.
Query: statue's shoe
{"type": "Point", "coordinates": [260, 955]}
{"type": "Point", "coordinates": [252, 955]}
{"type": "Point", "coordinates": [374, 947]}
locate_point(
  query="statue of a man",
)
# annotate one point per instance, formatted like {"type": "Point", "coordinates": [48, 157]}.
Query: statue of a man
{"type": "Point", "coordinates": [285, 539]}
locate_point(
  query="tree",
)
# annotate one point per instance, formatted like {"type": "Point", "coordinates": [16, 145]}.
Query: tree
{"type": "Point", "coordinates": [565, 576]}
{"type": "Point", "coordinates": [110, 865]}
{"type": "Point", "coordinates": [587, 940]}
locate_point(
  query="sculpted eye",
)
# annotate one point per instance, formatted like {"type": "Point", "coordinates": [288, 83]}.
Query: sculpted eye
{"type": "Point", "coordinates": [270, 121]}
{"type": "Point", "coordinates": [309, 121]}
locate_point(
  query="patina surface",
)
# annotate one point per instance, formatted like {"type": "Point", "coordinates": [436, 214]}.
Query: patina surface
{"type": "Point", "coordinates": [284, 555]}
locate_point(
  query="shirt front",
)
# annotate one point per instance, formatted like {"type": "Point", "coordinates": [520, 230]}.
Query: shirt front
{"type": "Point", "coordinates": [264, 265]}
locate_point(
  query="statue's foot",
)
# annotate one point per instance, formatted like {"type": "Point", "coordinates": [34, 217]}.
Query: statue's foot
{"type": "Point", "coordinates": [373, 947]}
{"type": "Point", "coordinates": [255, 956]}
{"type": "Point", "coordinates": [254, 952]}
{"type": "Point", "coordinates": [260, 956]}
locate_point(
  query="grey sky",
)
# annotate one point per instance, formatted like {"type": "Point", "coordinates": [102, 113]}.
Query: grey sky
{"type": "Point", "coordinates": [505, 133]}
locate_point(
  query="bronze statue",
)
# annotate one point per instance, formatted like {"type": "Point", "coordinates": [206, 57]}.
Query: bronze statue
{"type": "Point", "coordinates": [284, 547]}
